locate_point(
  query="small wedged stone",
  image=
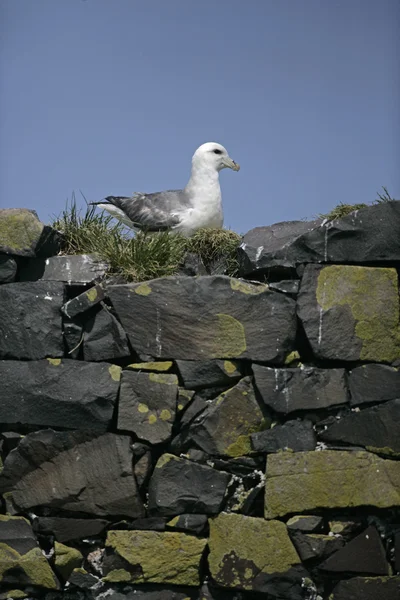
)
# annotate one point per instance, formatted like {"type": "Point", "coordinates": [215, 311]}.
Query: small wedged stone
{"type": "Point", "coordinates": [66, 559]}
{"type": "Point", "coordinates": [351, 313]}
{"type": "Point", "coordinates": [93, 476]}
{"type": "Point", "coordinates": [197, 374]}
{"type": "Point", "coordinates": [318, 546]}
{"type": "Point", "coordinates": [104, 338]}
{"type": "Point", "coordinates": [305, 523]}
{"type": "Point", "coordinates": [8, 269]}
{"type": "Point", "coordinates": [73, 336]}
{"type": "Point", "coordinates": [180, 486]}
{"type": "Point", "coordinates": [286, 286]}
{"type": "Point", "coordinates": [247, 553]}
{"type": "Point", "coordinates": [68, 529]}
{"type": "Point", "coordinates": [162, 366]}
{"type": "Point", "coordinates": [374, 383]}
{"type": "Point", "coordinates": [376, 428]}
{"type": "Point", "coordinates": [205, 318]}
{"type": "Point", "coordinates": [80, 578]}
{"type": "Point", "coordinates": [225, 426]}
{"type": "Point", "coordinates": [295, 436]}
{"type": "Point", "coordinates": [82, 269]}
{"type": "Point", "coordinates": [327, 480]}
{"type": "Point", "coordinates": [364, 554]}
{"type": "Point", "coordinates": [22, 234]}
{"type": "Point", "coordinates": [58, 392]}
{"type": "Point", "coordinates": [147, 405]}
{"type": "Point", "coordinates": [154, 557]}
{"type": "Point", "coordinates": [307, 388]}
{"type": "Point", "coordinates": [31, 320]}
{"type": "Point", "coordinates": [83, 301]}
{"type": "Point", "coordinates": [189, 523]}
{"type": "Point", "coordinates": [21, 559]}
{"type": "Point", "coordinates": [367, 588]}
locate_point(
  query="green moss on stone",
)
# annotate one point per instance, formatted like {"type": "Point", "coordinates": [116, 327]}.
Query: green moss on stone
{"type": "Point", "coordinates": [230, 337]}
{"type": "Point", "coordinates": [160, 367]}
{"type": "Point", "coordinates": [66, 559]}
{"type": "Point", "coordinates": [372, 296]}
{"type": "Point", "coordinates": [33, 564]}
{"type": "Point", "coordinates": [117, 576]}
{"type": "Point", "coordinates": [164, 459]}
{"type": "Point", "coordinates": [19, 229]}
{"type": "Point", "coordinates": [244, 287]}
{"type": "Point", "coordinates": [166, 379]}
{"type": "Point", "coordinates": [115, 372]}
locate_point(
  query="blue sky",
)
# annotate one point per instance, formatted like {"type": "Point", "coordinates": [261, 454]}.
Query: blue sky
{"type": "Point", "coordinates": [114, 96]}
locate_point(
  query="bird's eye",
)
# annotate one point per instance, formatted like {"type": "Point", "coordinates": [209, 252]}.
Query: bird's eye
{"type": "Point", "coordinates": [217, 151]}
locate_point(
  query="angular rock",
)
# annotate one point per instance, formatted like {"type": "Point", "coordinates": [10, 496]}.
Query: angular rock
{"type": "Point", "coordinates": [364, 554]}
{"type": "Point", "coordinates": [104, 338]}
{"type": "Point", "coordinates": [8, 269]}
{"type": "Point", "coordinates": [376, 428]}
{"type": "Point", "coordinates": [76, 269]}
{"type": "Point", "coordinates": [327, 480]}
{"type": "Point", "coordinates": [305, 523]}
{"type": "Point", "coordinates": [252, 554]}
{"type": "Point", "coordinates": [374, 383]}
{"type": "Point", "coordinates": [346, 529]}
{"type": "Point", "coordinates": [67, 529]}
{"type": "Point", "coordinates": [150, 556]}
{"type": "Point", "coordinates": [367, 588]}
{"type": "Point", "coordinates": [184, 398]}
{"type": "Point", "coordinates": [22, 234]}
{"type": "Point", "coordinates": [142, 468]}
{"type": "Point", "coordinates": [73, 336]}
{"type": "Point", "coordinates": [351, 313]}
{"type": "Point", "coordinates": [286, 286]}
{"type": "Point", "coordinates": [31, 320]}
{"type": "Point", "coordinates": [84, 301]}
{"type": "Point", "coordinates": [295, 436]}
{"type": "Point", "coordinates": [147, 405]}
{"type": "Point", "coordinates": [189, 523]}
{"type": "Point", "coordinates": [354, 238]}
{"type": "Point", "coordinates": [180, 486]}
{"type": "Point", "coordinates": [206, 317]}
{"type": "Point", "coordinates": [312, 546]}
{"type": "Point", "coordinates": [225, 426]}
{"type": "Point", "coordinates": [308, 388]}
{"type": "Point", "coordinates": [21, 559]}
{"type": "Point", "coordinates": [94, 476]}
{"type": "Point", "coordinates": [208, 373]}
{"type": "Point", "coordinates": [58, 392]}
{"type": "Point", "coordinates": [66, 559]}
{"type": "Point", "coordinates": [82, 579]}
{"type": "Point", "coordinates": [158, 367]}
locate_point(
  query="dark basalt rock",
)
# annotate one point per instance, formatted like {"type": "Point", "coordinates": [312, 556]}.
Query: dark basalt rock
{"type": "Point", "coordinates": [312, 546]}
{"type": "Point", "coordinates": [204, 318]}
{"type": "Point", "coordinates": [147, 405]}
{"type": "Point", "coordinates": [67, 529]}
{"type": "Point", "coordinates": [180, 486]}
{"type": "Point", "coordinates": [8, 269]}
{"type": "Point", "coordinates": [22, 561]}
{"type": "Point", "coordinates": [22, 234]}
{"type": "Point", "coordinates": [351, 313]}
{"type": "Point", "coordinates": [31, 320]}
{"type": "Point", "coordinates": [374, 383]}
{"type": "Point", "coordinates": [308, 388]}
{"type": "Point", "coordinates": [104, 338]}
{"type": "Point", "coordinates": [84, 301]}
{"type": "Point", "coordinates": [59, 393]}
{"type": "Point", "coordinates": [376, 428]}
{"type": "Point", "coordinates": [190, 523]}
{"type": "Point", "coordinates": [364, 554]}
{"type": "Point", "coordinates": [286, 286]}
{"type": "Point", "coordinates": [305, 523]}
{"type": "Point", "coordinates": [93, 477]}
{"type": "Point", "coordinates": [73, 336]}
{"type": "Point", "coordinates": [82, 579]}
{"type": "Point", "coordinates": [295, 436]}
{"type": "Point", "coordinates": [354, 238]}
{"type": "Point", "coordinates": [75, 269]}
{"type": "Point", "coordinates": [198, 374]}
{"type": "Point", "coordinates": [367, 588]}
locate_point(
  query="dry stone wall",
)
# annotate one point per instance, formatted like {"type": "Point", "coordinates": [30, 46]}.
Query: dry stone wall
{"type": "Point", "coordinates": [203, 437]}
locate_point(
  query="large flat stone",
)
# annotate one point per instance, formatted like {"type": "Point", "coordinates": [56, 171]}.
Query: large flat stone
{"type": "Point", "coordinates": [252, 554]}
{"type": "Point", "coordinates": [67, 529]}
{"type": "Point", "coordinates": [30, 319]}
{"type": "Point", "coordinates": [21, 559]}
{"type": "Point", "coordinates": [58, 393]}
{"type": "Point", "coordinates": [329, 479]}
{"type": "Point", "coordinates": [94, 476]}
{"type": "Point", "coordinates": [293, 436]}
{"type": "Point", "coordinates": [206, 317]}
{"type": "Point", "coordinates": [367, 588]}
{"type": "Point", "coordinates": [180, 486]}
{"type": "Point", "coordinates": [153, 557]}
{"type": "Point", "coordinates": [351, 313]}
{"type": "Point", "coordinates": [374, 383]}
{"type": "Point", "coordinates": [22, 234]}
{"type": "Point", "coordinates": [147, 405]}
{"type": "Point", "coordinates": [198, 374]}
{"type": "Point", "coordinates": [355, 238]}
{"type": "Point", "coordinates": [308, 388]}
{"type": "Point", "coordinates": [76, 269]}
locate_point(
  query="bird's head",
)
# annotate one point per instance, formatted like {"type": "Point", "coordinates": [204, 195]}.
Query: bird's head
{"type": "Point", "coordinates": [215, 156]}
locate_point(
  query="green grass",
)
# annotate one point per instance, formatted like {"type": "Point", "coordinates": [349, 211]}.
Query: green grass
{"type": "Point", "coordinates": [341, 210]}
{"type": "Point", "coordinates": [141, 256]}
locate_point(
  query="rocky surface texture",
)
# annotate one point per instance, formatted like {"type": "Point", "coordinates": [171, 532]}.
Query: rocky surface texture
{"type": "Point", "coordinates": [208, 437]}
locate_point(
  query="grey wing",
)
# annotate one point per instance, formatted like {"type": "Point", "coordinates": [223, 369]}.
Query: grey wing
{"type": "Point", "coordinates": [152, 212]}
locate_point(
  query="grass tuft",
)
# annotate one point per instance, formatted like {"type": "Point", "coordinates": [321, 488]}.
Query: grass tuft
{"type": "Point", "coordinates": [341, 210]}
{"type": "Point", "coordinates": [141, 256]}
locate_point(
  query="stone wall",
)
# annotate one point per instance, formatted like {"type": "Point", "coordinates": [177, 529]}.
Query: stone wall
{"type": "Point", "coordinates": [203, 437]}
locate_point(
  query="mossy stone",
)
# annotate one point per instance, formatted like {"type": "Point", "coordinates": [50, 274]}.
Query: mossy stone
{"type": "Point", "coordinates": [20, 230]}
{"type": "Point", "coordinates": [66, 559]}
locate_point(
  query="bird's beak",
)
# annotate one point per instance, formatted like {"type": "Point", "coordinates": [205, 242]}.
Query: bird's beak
{"type": "Point", "coordinates": [231, 164]}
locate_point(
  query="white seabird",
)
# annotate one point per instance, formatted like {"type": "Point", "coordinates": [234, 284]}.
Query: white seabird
{"type": "Point", "coordinates": [197, 206]}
